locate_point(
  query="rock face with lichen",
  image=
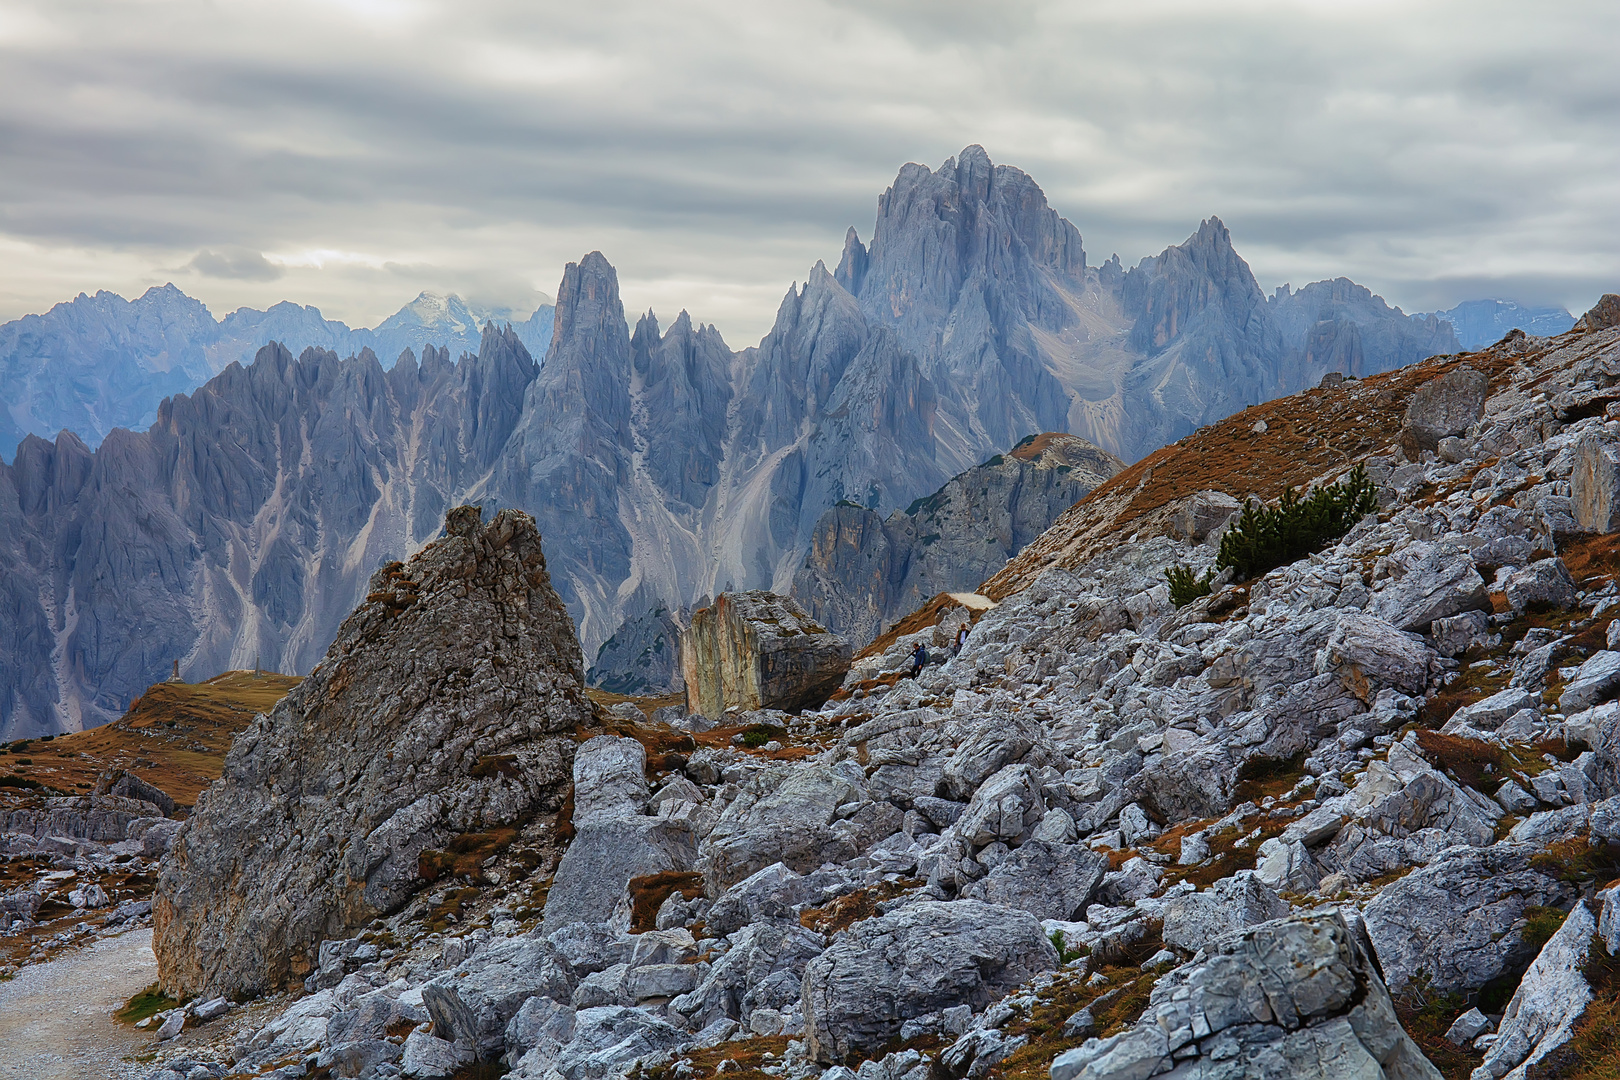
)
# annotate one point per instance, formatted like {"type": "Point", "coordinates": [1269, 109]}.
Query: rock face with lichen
{"type": "Point", "coordinates": [446, 706]}
{"type": "Point", "coordinates": [758, 650]}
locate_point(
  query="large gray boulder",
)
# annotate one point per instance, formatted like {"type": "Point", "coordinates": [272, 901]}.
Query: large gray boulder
{"type": "Point", "coordinates": [758, 650]}
{"type": "Point", "coordinates": [774, 893]}
{"type": "Point", "coordinates": [446, 705]}
{"type": "Point", "coordinates": [1448, 405]}
{"type": "Point", "coordinates": [614, 841]}
{"type": "Point", "coordinates": [472, 1003]}
{"type": "Point", "coordinates": [1543, 584]}
{"type": "Point", "coordinates": [1594, 485]}
{"type": "Point", "coordinates": [1595, 681]}
{"type": "Point", "coordinates": [787, 816]}
{"type": "Point", "coordinates": [1050, 881]}
{"type": "Point", "coordinates": [1551, 997]}
{"type": "Point", "coordinates": [763, 969]}
{"type": "Point", "coordinates": [1370, 654]}
{"type": "Point", "coordinates": [1294, 999]}
{"type": "Point", "coordinates": [987, 750]}
{"type": "Point", "coordinates": [1232, 903]}
{"type": "Point", "coordinates": [920, 959]}
{"type": "Point", "coordinates": [1435, 583]}
{"type": "Point", "coordinates": [606, 1041]}
{"type": "Point", "coordinates": [1460, 920]}
{"type": "Point", "coordinates": [1007, 807]}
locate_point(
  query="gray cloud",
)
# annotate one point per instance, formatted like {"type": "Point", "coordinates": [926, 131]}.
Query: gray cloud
{"type": "Point", "coordinates": [365, 149]}
{"type": "Point", "coordinates": [236, 265]}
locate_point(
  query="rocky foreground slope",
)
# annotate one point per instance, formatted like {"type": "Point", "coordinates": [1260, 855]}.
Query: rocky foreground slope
{"type": "Point", "coordinates": [1357, 816]}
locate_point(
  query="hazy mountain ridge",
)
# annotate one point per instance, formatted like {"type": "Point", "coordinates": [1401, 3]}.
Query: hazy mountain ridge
{"type": "Point", "coordinates": [659, 464]}
{"type": "Point", "coordinates": [95, 363]}
{"type": "Point", "coordinates": [1479, 323]}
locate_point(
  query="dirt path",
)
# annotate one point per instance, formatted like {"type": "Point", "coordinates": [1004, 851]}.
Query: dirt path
{"type": "Point", "coordinates": [56, 1018]}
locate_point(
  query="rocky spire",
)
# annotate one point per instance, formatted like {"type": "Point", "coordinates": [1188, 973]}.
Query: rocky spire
{"type": "Point", "coordinates": [445, 706]}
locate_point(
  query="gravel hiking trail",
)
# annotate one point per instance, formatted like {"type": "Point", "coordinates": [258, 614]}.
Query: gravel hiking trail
{"type": "Point", "coordinates": [56, 1018]}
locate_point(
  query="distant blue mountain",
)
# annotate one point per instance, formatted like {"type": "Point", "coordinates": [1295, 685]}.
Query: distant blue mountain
{"type": "Point", "coordinates": [101, 362]}
{"type": "Point", "coordinates": [1479, 323]}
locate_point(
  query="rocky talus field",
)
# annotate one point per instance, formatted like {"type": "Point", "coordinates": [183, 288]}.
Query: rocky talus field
{"type": "Point", "coordinates": [1357, 815]}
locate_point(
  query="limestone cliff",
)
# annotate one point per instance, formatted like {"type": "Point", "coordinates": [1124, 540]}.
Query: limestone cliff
{"type": "Point", "coordinates": [757, 650]}
{"type": "Point", "coordinates": [447, 705]}
{"type": "Point", "coordinates": [863, 572]}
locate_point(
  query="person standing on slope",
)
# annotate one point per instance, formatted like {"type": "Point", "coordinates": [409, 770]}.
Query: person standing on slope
{"type": "Point", "coordinates": [961, 639]}
{"type": "Point", "coordinates": [919, 658]}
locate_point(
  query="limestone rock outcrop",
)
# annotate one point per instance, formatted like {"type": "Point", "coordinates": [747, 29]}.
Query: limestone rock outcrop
{"type": "Point", "coordinates": [757, 650]}
{"type": "Point", "coordinates": [1443, 407]}
{"type": "Point", "coordinates": [924, 958]}
{"type": "Point", "coordinates": [445, 706]}
{"type": "Point", "coordinates": [1296, 997]}
{"type": "Point", "coordinates": [864, 571]}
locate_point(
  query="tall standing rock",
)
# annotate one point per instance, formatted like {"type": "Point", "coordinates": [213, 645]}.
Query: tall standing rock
{"type": "Point", "coordinates": [757, 650]}
{"type": "Point", "coordinates": [445, 706]}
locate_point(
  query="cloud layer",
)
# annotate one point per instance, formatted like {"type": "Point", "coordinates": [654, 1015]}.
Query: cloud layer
{"type": "Point", "coordinates": [347, 154]}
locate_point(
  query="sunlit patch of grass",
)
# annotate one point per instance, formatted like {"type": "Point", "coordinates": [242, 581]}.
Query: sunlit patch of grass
{"type": "Point", "coordinates": [148, 1002]}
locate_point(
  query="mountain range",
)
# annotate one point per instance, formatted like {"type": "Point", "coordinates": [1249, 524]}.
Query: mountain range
{"type": "Point", "coordinates": [661, 464]}
{"type": "Point", "coordinates": [1478, 323]}
{"type": "Point", "coordinates": [99, 362]}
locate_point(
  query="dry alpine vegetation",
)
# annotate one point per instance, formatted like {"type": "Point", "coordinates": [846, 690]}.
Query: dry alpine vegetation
{"type": "Point", "coordinates": [1357, 815]}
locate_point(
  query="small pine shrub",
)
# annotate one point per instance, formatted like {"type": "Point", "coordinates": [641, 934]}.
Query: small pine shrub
{"type": "Point", "coordinates": [1266, 538]}
{"type": "Point", "coordinates": [1066, 954]}
{"type": "Point", "coordinates": [1184, 587]}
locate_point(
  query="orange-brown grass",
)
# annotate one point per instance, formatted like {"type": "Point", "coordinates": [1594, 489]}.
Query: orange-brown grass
{"type": "Point", "coordinates": [1225, 856]}
{"type": "Point", "coordinates": [1591, 558]}
{"type": "Point", "coordinates": [466, 855]}
{"type": "Point", "coordinates": [1578, 862]}
{"type": "Point", "coordinates": [1427, 1022]}
{"type": "Point", "coordinates": [174, 736]}
{"type": "Point", "coordinates": [748, 1054]}
{"type": "Point", "coordinates": [1261, 777]}
{"type": "Point", "coordinates": [921, 619]}
{"type": "Point", "coordinates": [1471, 763]}
{"type": "Point", "coordinates": [451, 910]}
{"type": "Point", "coordinates": [647, 895]}
{"type": "Point", "coordinates": [648, 705]}
{"type": "Point", "coordinates": [1306, 435]}
{"type": "Point", "coordinates": [1126, 993]}
{"type": "Point", "coordinates": [851, 908]}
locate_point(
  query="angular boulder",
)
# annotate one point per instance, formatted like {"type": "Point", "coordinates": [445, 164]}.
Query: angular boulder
{"type": "Point", "coordinates": [758, 650]}
{"type": "Point", "coordinates": [1460, 920]}
{"type": "Point", "coordinates": [1436, 584]}
{"type": "Point", "coordinates": [921, 959]}
{"type": "Point", "coordinates": [1596, 680]}
{"type": "Point", "coordinates": [614, 841]}
{"type": "Point", "coordinates": [787, 816]}
{"type": "Point", "coordinates": [1050, 881]}
{"type": "Point", "coordinates": [1449, 405]}
{"type": "Point", "coordinates": [446, 705]}
{"type": "Point", "coordinates": [1603, 314]}
{"type": "Point", "coordinates": [1292, 998]}
{"type": "Point", "coordinates": [1370, 654]}
{"type": "Point", "coordinates": [1543, 585]}
{"type": "Point", "coordinates": [1594, 485]}
{"type": "Point", "coordinates": [1550, 999]}
{"type": "Point", "coordinates": [1230, 904]}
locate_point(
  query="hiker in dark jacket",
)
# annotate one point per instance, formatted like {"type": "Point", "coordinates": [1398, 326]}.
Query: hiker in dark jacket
{"type": "Point", "coordinates": [918, 660]}
{"type": "Point", "coordinates": [961, 639]}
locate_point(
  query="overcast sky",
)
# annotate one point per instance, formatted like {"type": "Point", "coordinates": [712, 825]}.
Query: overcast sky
{"type": "Point", "coordinates": [348, 153]}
